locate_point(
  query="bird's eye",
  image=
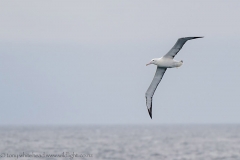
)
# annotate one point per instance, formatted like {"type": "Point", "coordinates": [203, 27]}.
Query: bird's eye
{"type": "Point", "coordinates": [153, 60]}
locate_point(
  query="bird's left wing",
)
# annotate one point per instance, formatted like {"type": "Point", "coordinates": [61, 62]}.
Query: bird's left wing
{"type": "Point", "coordinates": [153, 86]}
{"type": "Point", "coordinates": [178, 46]}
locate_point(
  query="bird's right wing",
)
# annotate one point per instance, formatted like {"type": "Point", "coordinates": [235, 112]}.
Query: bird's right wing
{"type": "Point", "coordinates": [178, 46]}
{"type": "Point", "coordinates": [153, 86]}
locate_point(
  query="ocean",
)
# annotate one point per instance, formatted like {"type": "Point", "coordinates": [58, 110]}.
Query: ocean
{"type": "Point", "coordinates": [130, 142]}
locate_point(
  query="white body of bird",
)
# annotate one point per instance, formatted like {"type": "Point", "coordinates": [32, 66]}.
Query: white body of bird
{"type": "Point", "coordinates": [165, 62]}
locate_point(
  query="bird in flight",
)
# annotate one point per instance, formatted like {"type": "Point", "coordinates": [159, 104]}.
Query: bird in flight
{"type": "Point", "coordinates": [163, 63]}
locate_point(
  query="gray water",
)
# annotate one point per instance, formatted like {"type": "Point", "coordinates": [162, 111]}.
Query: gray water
{"type": "Point", "coordinates": [173, 142]}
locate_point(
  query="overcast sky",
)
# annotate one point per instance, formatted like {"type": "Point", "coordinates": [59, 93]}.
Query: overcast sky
{"type": "Point", "coordinates": [83, 62]}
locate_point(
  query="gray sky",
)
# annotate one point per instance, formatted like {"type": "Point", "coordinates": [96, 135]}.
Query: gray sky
{"type": "Point", "coordinates": [83, 62]}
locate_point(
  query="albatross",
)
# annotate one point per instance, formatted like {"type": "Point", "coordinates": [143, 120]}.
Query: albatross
{"type": "Point", "coordinates": [163, 63]}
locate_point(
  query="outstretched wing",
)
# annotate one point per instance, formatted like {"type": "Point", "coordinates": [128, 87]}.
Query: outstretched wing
{"type": "Point", "coordinates": [178, 46]}
{"type": "Point", "coordinates": [153, 86]}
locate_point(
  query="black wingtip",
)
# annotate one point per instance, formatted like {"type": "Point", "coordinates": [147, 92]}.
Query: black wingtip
{"type": "Point", "coordinates": [150, 112]}
{"type": "Point", "coordinates": [197, 37]}
{"type": "Point", "coordinates": [190, 38]}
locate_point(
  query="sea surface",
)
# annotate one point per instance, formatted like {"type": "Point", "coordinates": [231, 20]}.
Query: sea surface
{"type": "Point", "coordinates": [158, 142]}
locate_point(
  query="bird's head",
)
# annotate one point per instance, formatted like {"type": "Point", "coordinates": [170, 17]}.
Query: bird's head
{"type": "Point", "coordinates": [153, 61]}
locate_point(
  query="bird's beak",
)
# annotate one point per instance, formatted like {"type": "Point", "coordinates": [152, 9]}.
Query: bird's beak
{"type": "Point", "coordinates": [148, 63]}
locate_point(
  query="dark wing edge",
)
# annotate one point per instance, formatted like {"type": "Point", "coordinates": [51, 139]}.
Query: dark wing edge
{"type": "Point", "coordinates": [153, 86]}
{"type": "Point", "coordinates": [178, 46]}
{"type": "Point", "coordinates": [150, 109]}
